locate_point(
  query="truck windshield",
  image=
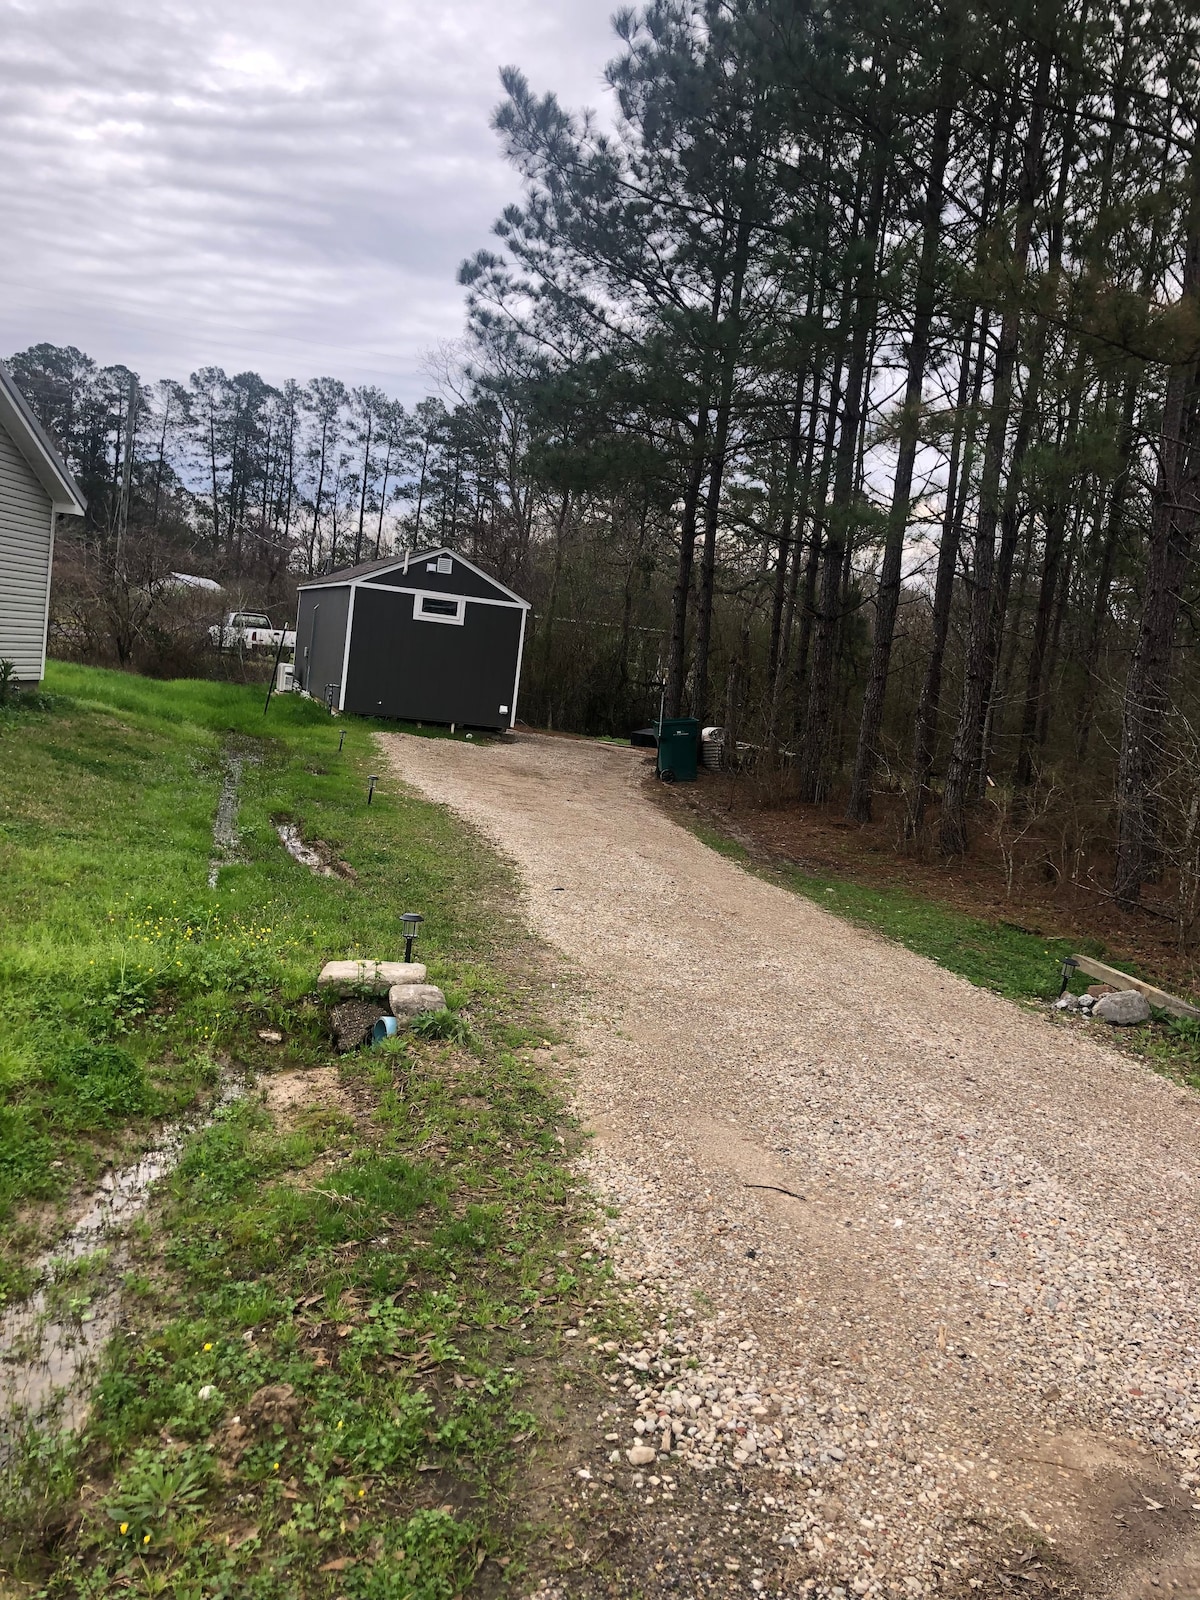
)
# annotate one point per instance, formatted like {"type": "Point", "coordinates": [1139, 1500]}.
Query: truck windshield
{"type": "Point", "coordinates": [252, 619]}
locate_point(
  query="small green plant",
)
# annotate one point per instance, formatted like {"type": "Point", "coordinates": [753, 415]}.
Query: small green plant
{"type": "Point", "coordinates": [391, 1185]}
{"type": "Point", "coordinates": [431, 1557]}
{"type": "Point", "coordinates": [449, 1025]}
{"type": "Point", "coordinates": [25, 1156]}
{"type": "Point", "coordinates": [8, 683]}
{"type": "Point", "coordinates": [152, 1494]}
{"type": "Point", "coordinates": [101, 1084]}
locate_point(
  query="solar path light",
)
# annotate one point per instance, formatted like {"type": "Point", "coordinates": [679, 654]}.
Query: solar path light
{"type": "Point", "coordinates": [372, 780]}
{"type": "Point", "coordinates": [411, 923]}
{"type": "Point", "coordinates": [1068, 972]}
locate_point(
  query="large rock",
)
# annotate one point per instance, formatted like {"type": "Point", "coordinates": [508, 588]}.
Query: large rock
{"type": "Point", "coordinates": [411, 999]}
{"type": "Point", "coordinates": [368, 977]}
{"type": "Point", "coordinates": [1124, 1008]}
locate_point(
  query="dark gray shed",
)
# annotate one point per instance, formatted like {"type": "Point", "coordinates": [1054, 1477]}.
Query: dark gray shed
{"type": "Point", "coordinates": [424, 637]}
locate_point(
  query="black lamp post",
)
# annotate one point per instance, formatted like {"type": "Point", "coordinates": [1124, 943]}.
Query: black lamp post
{"type": "Point", "coordinates": [411, 923]}
{"type": "Point", "coordinates": [1068, 972]}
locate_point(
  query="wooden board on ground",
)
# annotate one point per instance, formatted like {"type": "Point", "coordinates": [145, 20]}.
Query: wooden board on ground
{"type": "Point", "coordinates": [1121, 980]}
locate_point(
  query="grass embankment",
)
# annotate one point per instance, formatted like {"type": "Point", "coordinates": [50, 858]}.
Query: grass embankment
{"type": "Point", "coordinates": [318, 1391]}
{"type": "Point", "coordinates": [1012, 961]}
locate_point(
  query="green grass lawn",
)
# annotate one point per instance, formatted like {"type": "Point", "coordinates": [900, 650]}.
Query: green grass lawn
{"type": "Point", "coordinates": [392, 1258]}
{"type": "Point", "coordinates": [114, 951]}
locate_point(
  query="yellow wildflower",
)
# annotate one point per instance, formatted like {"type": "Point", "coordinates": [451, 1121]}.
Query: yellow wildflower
{"type": "Point", "coordinates": [124, 1527]}
{"type": "Point", "coordinates": [146, 1538]}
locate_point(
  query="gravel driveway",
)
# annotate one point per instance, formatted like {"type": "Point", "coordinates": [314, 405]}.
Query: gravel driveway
{"type": "Point", "coordinates": [928, 1260]}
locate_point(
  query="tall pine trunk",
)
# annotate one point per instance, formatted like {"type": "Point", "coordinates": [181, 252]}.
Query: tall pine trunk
{"type": "Point", "coordinates": [730, 338]}
{"type": "Point", "coordinates": [957, 483]}
{"type": "Point", "coordinates": [1048, 594]}
{"type": "Point", "coordinates": [1174, 523]}
{"type": "Point", "coordinates": [677, 645]}
{"type": "Point", "coordinates": [964, 755]}
{"type": "Point", "coordinates": [887, 598]}
{"type": "Point", "coordinates": [814, 756]}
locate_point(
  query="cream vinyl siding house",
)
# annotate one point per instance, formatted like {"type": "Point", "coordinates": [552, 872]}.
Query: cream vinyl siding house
{"type": "Point", "coordinates": [35, 487]}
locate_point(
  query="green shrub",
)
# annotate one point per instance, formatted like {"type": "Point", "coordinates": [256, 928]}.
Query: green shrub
{"type": "Point", "coordinates": [152, 1493]}
{"type": "Point", "coordinates": [370, 1442]}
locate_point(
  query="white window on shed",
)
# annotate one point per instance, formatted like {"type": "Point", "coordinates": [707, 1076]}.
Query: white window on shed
{"type": "Point", "coordinates": [439, 608]}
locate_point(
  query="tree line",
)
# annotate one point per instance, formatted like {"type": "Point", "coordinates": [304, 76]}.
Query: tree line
{"type": "Point", "coordinates": [894, 313]}
{"type": "Point", "coordinates": [251, 480]}
{"type": "Point", "coordinates": [843, 390]}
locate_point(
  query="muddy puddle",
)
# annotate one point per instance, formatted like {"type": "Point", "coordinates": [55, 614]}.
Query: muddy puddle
{"type": "Point", "coordinates": [235, 758]}
{"type": "Point", "coordinates": [301, 852]}
{"type": "Point", "coordinates": [317, 856]}
{"type": "Point", "coordinates": [51, 1342]}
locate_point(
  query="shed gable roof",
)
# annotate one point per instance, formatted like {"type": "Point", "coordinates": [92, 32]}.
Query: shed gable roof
{"type": "Point", "coordinates": [36, 446]}
{"type": "Point", "coordinates": [365, 570]}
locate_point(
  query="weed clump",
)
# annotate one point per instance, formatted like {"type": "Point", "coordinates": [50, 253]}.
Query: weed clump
{"type": "Point", "coordinates": [449, 1025]}
{"type": "Point", "coordinates": [101, 1085]}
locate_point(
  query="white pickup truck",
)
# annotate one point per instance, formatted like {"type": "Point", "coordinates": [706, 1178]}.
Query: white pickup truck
{"type": "Point", "coordinates": [250, 630]}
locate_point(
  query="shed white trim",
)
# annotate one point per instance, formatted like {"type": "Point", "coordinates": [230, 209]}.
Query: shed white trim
{"type": "Point", "coordinates": [442, 594]}
{"type": "Point", "coordinates": [346, 651]}
{"type": "Point", "coordinates": [405, 565]}
{"type": "Point", "coordinates": [512, 721]}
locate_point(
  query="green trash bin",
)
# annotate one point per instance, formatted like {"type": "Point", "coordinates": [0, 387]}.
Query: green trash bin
{"type": "Point", "coordinates": [678, 749]}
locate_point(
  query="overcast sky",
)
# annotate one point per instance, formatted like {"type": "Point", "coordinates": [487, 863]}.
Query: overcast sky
{"type": "Point", "coordinates": [287, 185]}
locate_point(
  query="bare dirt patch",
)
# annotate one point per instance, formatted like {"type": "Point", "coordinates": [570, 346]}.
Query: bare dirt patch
{"type": "Point", "coordinates": [319, 1088]}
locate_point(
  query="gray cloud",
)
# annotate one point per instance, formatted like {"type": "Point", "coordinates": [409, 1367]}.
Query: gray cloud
{"type": "Point", "coordinates": [281, 184]}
